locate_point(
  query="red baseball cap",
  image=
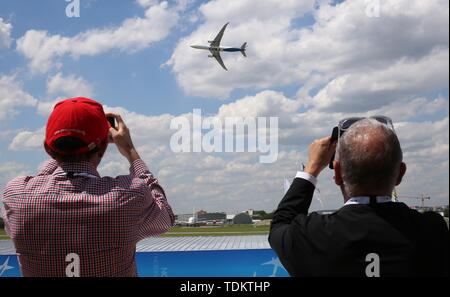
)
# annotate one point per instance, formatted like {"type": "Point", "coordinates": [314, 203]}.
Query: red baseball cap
{"type": "Point", "coordinates": [80, 117]}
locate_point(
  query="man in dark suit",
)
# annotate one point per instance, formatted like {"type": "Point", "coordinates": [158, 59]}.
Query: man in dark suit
{"type": "Point", "coordinates": [370, 235]}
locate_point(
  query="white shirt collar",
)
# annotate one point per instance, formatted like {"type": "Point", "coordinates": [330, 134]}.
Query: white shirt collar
{"type": "Point", "coordinates": [366, 200]}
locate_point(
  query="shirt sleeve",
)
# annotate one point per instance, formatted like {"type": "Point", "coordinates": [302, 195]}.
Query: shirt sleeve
{"type": "Point", "coordinates": [156, 215]}
{"type": "Point", "coordinates": [305, 175]}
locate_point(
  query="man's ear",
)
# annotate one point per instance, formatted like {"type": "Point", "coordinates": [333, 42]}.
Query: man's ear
{"type": "Point", "coordinates": [102, 150]}
{"type": "Point", "coordinates": [401, 173]}
{"type": "Point", "coordinates": [337, 173]}
{"type": "Point", "coordinates": [49, 151]}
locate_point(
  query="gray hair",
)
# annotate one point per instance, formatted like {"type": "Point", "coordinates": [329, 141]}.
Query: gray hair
{"type": "Point", "coordinates": [370, 156]}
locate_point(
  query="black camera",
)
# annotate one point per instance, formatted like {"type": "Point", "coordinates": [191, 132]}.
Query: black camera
{"type": "Point", "coordinates": [112, 121]}
{"type": "Point", "coordinates": [334, 138]}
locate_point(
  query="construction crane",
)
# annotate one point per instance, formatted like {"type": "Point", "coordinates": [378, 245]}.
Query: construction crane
{"type": "Point", "coordinates": [422, 198]}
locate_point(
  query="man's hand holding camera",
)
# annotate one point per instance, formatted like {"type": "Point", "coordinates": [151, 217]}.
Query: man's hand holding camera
{"type": "Point", "coordinates": [320, 153]}
{"type": "Point", "coordinates": [122, 138]}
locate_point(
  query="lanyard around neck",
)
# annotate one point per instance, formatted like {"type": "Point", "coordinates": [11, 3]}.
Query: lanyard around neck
{"type": "Point", "coordinates": [76, 174]}
{"type": "Point", "coordinates": [368, 200]}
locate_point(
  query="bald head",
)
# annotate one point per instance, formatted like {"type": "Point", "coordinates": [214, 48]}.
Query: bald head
{"type": "Point", "coordinates": [370, 157]}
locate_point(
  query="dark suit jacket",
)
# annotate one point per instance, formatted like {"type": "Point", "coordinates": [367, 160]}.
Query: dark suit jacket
{"type": "Point", "coordinates": [408, 243]}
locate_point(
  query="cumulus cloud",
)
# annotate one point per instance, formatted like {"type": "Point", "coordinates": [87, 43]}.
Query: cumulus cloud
{"type": "Point", "coordinates": [345, 64]}
{"type": "Point", "coordinates": [42, 49]}
{"type": "Point", "coordinates": [236, 181]}
{"type": "Point", "coordinates": [28, 140]}
{"type": "Point", "coordinates": [266, 33]}
{"type": "Point", "coordinates": [68, 86]}
{"type": "Point", "coordinates": [266, 103]}
{"type": "Point", "coordinates": [13, 97]}
{"type": "Point", "coordinates": [219, 181]}
{"type": "Point", "coordinates": [60, 87]}
{"type": "Point", "coordinates": [360, 91]}
{"type": "Point", "coordinates": [146, 3]}
{"type": "Point", "coordinates": [342, 41]}
{"type": "Point", "coordinates": [5, 34]}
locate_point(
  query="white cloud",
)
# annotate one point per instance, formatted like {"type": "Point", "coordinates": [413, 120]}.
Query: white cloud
{"type": "Point", "coordinates": [12, 97]}
{"type": "Point", "coordinates": [45, 107]}
{"type": "Point", "coordinates": [220, 181]}
{"type": "Point", "coordinates": [266, 103]}
{"type": "Point", "coordinates": [146, 129]}
{"type": "Point", "coordinates": [266, 33]}
{"type": "Point", "coordinates": [5, 34]}
{"type": "Point", "coordinates": [28, 140]}
{"type": "Point", "coordinates": [236, 181]}
{"type": "Point", "coordinates": [42, 49]}
{"type": "Point", "coordinates": [60, 87]}
{"type": "Point", "coordinates": [361, 91]}
{"type": "Point", "coordinates": [342, 41]}
{"type": "Point", "coordinates": [146, 3]}
{"type": "Point", "coordinates": [405, 109]}
{"type": "Point", "coordinates": [345, 64]}
{"type": "Point", "coordinates": [68, 86]}
{"type": "Point", "coordinates": [426, 151]}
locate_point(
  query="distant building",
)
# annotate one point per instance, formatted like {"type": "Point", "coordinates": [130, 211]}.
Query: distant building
{"type": "Point", "coordinates": [229, 220]}
{"type": "Point", "coordinates": [242, 219]}
{"type": "Point", "coordinates": [218, 217]}
{"type": "Point", "coordinates": [183, 217]}
{"type": "Point", "coordinates": [325, 211]}
{"type": "Point", "coordinates": [422, 208]}
{"type": "Point", "coordinates": [262, 222]}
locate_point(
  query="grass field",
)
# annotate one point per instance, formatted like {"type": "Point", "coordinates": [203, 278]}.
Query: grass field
{"type": "Point", "coordinates": [3, 234]}
{"type": "Point", "coordinates": [204, 231]}
{"type": "Point", "coordinates": [217, 231]}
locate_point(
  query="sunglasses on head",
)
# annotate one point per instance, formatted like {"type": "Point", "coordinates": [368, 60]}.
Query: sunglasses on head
{"type": "Point", "coordinates": [345, 124]}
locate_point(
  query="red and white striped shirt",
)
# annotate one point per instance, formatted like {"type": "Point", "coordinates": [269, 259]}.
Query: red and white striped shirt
{"type": "Point", "coordinates": [68, 208]}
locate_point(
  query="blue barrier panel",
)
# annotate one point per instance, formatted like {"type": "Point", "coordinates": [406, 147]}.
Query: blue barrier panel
{"type": "Point", "coordinates": [215, 263]}
{"type": "Point", "coordinates": [223, 263]}
{"type": "Point", "coordinates": [9, 266]}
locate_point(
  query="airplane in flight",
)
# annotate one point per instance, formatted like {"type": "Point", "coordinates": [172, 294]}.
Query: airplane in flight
{"type": "Point", "coordinates": [215, 48]}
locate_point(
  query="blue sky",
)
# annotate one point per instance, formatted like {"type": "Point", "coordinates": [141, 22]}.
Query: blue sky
{"type": "Point", "coordinates": [310, 63]}
{"type": "Point", "coordinates": [139, 73]}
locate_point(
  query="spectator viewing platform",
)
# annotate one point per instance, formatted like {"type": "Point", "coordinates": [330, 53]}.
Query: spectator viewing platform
{"type": "Point", "coordinates": [224, 256]}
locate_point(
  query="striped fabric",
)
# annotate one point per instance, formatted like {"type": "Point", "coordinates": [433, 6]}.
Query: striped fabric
{"type": "Point", "coordinates": [68, 208]}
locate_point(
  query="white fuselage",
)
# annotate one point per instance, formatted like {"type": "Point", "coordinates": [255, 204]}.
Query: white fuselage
{"type": "Point", "coordinates": [217, 48]}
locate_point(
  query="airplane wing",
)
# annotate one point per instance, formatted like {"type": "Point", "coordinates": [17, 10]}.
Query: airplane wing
{"type": "Point", "coordinates": [218, 39]}
{"type": "Point", "coordinates": [219, 59]}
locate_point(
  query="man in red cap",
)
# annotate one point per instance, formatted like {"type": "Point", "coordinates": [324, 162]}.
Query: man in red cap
{"type": "Point", "coordinates": [69, 221]}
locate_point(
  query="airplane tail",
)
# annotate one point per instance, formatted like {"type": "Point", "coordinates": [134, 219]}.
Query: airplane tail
{"type": "Point", "coordinates": [243, 48]}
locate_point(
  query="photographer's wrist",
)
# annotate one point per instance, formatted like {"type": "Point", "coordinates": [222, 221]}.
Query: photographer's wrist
{"type": "Point", "coordinates": [312, 169]}
{"type": "Point", "coordinates": [132, 155]}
